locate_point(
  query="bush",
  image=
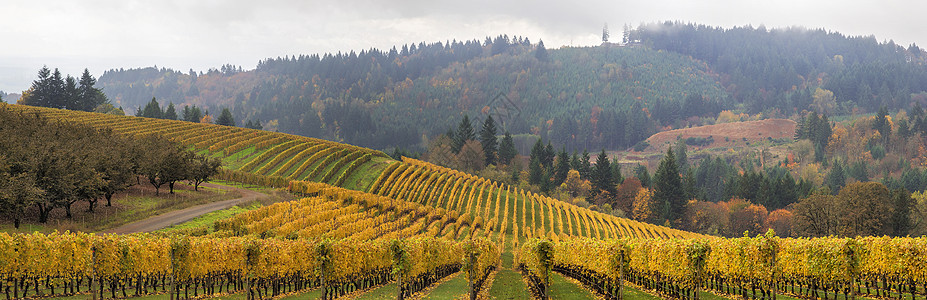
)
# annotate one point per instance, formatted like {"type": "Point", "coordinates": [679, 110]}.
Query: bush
{"type": "Point", "coordinates": [699, 141]}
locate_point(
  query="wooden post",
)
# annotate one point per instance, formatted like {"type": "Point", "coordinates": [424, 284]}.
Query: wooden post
{"type": "Point", "coordinates": [472, 260]}
{"type": "Point", "coordinates": [620, 295]}
{"type": "Point", "coordinates": [93, 262]}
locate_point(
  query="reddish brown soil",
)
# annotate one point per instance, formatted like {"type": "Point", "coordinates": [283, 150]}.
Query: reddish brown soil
{"type": "Point", "coordinates": [737, 133]}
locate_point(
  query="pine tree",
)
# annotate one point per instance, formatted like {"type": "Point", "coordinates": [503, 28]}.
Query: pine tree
{"type": "Point", "coordinates": [547, 158]}
{"type": "Point", "coordinates": [540, 52]}
{"type": "Point", "coordinates": [489, 141]}
{"type": "Point", "coordinates": [507, 150]}
{"type": "Point", "coordinates": [668, 189]}
{"type": "Point", "coordinates": [682, 159]}
{"type": "Point", "coordinates": [464, 133]}
{"type": "Point", "coordinates": [225, 118]}
{"type": "Point", "coordinates": [152, 110]}
{"type": "Point", "coordinates": [643, 175]}
{"type": "Point", "coordinates": [89, 97]}
{"type": "Point", "coordinates": [616, 171]}
{"type": "Point", "coordinates": [562, 169]}
{"type": "Point", "coordinates": [602, 175]}
{"type": "Point", "coordinates": [585, 171]}
{"type": "Point", "coordinates": [170, 113]}
{"type": "Point", "coordinates": [535, 171]}
{"type": "Point", "coordinates": [836, 178]}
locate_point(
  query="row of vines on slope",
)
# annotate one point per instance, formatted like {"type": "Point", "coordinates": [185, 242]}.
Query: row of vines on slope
{"type": "Point", "coordinates": [759, 267]}
{"type": "Point", "coordinates": [507, 210]}
{"type": "Point", "coordinates": [246, 150]}
{"type": "Point", "coordinates": [118, 266]}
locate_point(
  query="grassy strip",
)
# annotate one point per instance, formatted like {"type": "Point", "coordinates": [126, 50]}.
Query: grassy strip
{"type": "Point", "coordinates": [508, 285]}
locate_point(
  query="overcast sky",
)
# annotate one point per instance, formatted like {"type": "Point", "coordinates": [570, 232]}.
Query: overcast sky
{"type": "Point", "coordinates": [184, 34]}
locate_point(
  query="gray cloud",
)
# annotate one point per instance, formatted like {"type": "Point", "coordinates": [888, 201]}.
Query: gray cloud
{"type": "Point", "coordinates": [105, 34]}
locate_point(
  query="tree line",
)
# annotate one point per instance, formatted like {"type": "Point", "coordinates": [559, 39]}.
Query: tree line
{"type": "Point", "coordinates": [50, 89]}
{"type": "Point", "coordinates": [190, 114]}
{"type": "Point", "coordinates": [50, 164]}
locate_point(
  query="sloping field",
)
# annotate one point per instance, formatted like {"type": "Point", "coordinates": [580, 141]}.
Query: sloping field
{"type": "Point", "coordinates": [506, 214]}
{"type": "Point", "coordinates": [727, 134]}
{"type": "Point", "coordinates": [275, 157]}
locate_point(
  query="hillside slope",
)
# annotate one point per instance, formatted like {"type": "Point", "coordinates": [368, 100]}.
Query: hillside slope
{"type": "Point", "coordinates": [274, 159]}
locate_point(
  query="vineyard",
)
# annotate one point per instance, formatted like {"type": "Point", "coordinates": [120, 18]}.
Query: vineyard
{"type": "Point", "coordinates": [114, 266]}
{"type": "Point", "coordinates": [262, 155]}
{"type": "Point", "coordinates": [364, 220]}
{"type": "Point", "coordinates": [513, 215]}
{"type": "Point", "coordinates": [760, 267]}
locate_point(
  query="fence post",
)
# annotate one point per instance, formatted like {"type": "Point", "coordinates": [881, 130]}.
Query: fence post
{"type": "Point", "coordinates": [620, 274]}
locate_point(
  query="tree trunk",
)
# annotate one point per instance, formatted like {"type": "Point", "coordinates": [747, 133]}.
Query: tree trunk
{"type": "Point", "coordinates": [109, 199]}
{"type": "Point", "coordinates": [93, 202]}
{"type": "Point", "coordinates": [171, 185]}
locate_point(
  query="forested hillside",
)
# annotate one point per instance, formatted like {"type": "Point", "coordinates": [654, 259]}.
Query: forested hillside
{"type": "Point", "coordinates": [769, 69]}
{"type": "Point", "coordinates": [667, 75]}
{"type": "Point", "coordinates": [385, 99]}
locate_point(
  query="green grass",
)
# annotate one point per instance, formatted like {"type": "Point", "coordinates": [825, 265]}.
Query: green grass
{"type": "Point", "coordinates": [208, 219]}
{"type": "Point", "coordinates": [561, 288]}
{"type": "Point", "coordinates": [508, 285]}
{"type": "Point", "coordinates": [136, 203]}
{"type": "Point", "coordinates": [454, 288]}
{"type": "Point", "coordinates": [385, 292]}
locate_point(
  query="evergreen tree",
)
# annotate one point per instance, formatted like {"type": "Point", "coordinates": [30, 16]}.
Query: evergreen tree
{"type": "Point", "coordinates": [602, 175]}
{"type": "Point", "coordinates": [901, 217]}
{"type": "Point", "coordinates": [540, 52]}
{"type": "Point", "coordinates": [547, 159]}
{"type": "Point", "coordinates": [152, 110]}
{"type": "Point", "coordinates": [616, 171]}
{"type": "Point", "coordinates": [836, 178]}
{"type": "Point", "coordinates": [562, 168]}
{"type": "Point", "coordinates": [643, 175]}
{"type": "Point", "coordinates": [882, 125]}
{"type": "Point", "coordinates": [585, 171]}
{"type": "Point", "coordinates": [464, 133]}
{"type": "Point", "coordinates": [535, 171]}
{"type": "Point", "coordinates": [682, 159]}
{"type": "Point", "coordinates": [668, 189]}
{"type": "Point", "coordinates": [170, 113]}
{"type": "Point", "coordinates": [488, 140]}
{"type": "Point", "coordinates": [89, 97]}
{"type": "Point", "coordinates": [537, 151]}
{"type": "Point", "coordinates": [507, 150]}
{"type": "Point", "coordinates": [225, 118]}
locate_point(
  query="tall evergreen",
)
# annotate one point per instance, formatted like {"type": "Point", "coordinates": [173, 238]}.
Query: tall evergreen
{"type": "Point", "coordinates": [535, 171]}
{"type": "Point", "coordinates": [836, 178]}
{"type": "Point", "coordinates": [89, 97]}
{"type": "Point", "coordinates": [682, 158]}
{"type": "Point", "coordinates": [643, 175]}
{"type": "Point", "coordinates": [152, 110]}
{"type": "Point", "coordinates": [668, 189]}
{"type": "Point", "coordinates": [225, 118]}
{"type": "Point", "coordinates": [562, 168]}
{"type": "Point", "coordinates": [170, 113]}
{"type": "Point", "coordinates": [540, 52]}
{"type": "Point", "coordinates": [548, 155]}
{"type": "Point", "coordinates": [585, 170]}
{"type": "Point", "coordinates": [489, 141]}
{"type": "Point", "coordinates": [602, 175]}
{"type": "Point", "coordinates": [507, 150]}
{"type": "Point", "coordinates": [616, 171]}
{"type": "Point", "coordinates": [464, 133]}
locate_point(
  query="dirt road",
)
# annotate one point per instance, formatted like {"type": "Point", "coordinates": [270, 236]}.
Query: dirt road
{"type": "Point", "coordinates": [187, 214]}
